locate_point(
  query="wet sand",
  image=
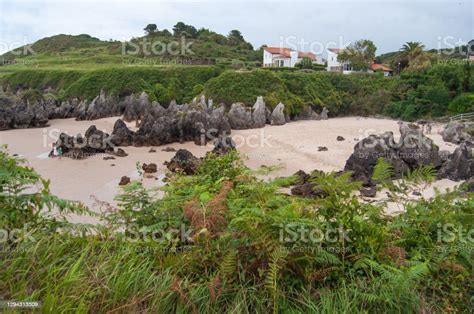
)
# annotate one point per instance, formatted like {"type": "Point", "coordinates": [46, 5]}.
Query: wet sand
{"type": "Point", "coordinates": [292, 146]}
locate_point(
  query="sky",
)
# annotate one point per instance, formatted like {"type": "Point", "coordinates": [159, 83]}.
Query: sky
{"type": "Point", "coordinates": [302, 25]}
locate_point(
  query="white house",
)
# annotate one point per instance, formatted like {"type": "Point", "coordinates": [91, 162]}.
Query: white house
{"type": "Point", "coordinates": [346, 68]}
{"type": "Point", "coordinates": [334, 65]}
{"type": "Point", "coordinates": [279, 57]}
{"type": "Point", "coordinates": [284, 57]}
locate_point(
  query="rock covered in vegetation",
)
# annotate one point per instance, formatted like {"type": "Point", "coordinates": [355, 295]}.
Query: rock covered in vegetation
{"type": "Point", "coordinates": [454, 133]}
{"type": "Point", "coordinates": [305, 188]}
{"type": "Point", "coordinates": [183, 161]}
{"type": "Point", "coordinates": [412, 151]}
{"type": "Point", "coordinates": [278, 115]}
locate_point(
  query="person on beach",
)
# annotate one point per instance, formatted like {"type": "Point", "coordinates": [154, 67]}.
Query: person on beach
{"type": "Point", "coordinates": [428, 128]}
{"type": "Point", "coordinates": [60, 152]}
{"type": "Point", "coordinates": [55, 151]}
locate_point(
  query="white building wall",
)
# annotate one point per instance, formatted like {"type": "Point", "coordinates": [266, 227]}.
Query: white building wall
{"type": "Point", "coordinates": [332, 61]}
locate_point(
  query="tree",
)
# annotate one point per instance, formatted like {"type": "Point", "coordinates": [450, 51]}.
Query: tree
{"type": "Point", "coordinates": [360, 54]}
{"type": "Point", "coordinates": [412, 51]}
{"type": "Point", "coordinates": [150, 29]}
{"type": "Point", "coordinates": [235, 37]}
{"type": "Point", "coordinates": [181, 29]}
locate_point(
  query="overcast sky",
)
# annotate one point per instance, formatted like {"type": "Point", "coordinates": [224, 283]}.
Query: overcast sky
{"type": "Point", "coordinates": [305, 25]}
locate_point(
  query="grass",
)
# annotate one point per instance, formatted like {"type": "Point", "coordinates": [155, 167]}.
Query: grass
{"type": "Point", "coordinates": [236, 260]}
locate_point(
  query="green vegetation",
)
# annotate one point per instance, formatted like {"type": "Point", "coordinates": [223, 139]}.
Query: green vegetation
{"type": "Point", "coordinates": [246, 251]}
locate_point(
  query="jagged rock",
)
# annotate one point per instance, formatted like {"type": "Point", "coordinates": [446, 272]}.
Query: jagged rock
{"type": "Point", "coordinates": [370, 191]}
{"type": "Point", "coordinates": [412, 151]}
{"type": "Point", "coordinates": [150, 168]}
{"type": "Point", "coordinates": [183, 161]}
{"type": "Point", "coordinates": [460, 164]}
{"type": "Point", "coordinates": [121, 135]}
{"type": "Point", "coordinates": [240, 117]}
{"type": "Point", "coordinates": [307, 113]}
{"type": "Point", "coordinates": [259, 113]}
{"type": "Point", "coordinates": [223, 145]}
{"type": "Point", "coordinates": [101, 107]}
{"type": "Point", "coordinates": [368, 151]}
{"type": "Point", "coordinates": [136, 107]}
{"type": "Point", "coordinates": [120, 153]}
{"type": "Point", "coordinates": [454, 133]}
{"type": "Point", "coordinates": [6, 113]}
{"type": "Point", "coordinates": [340, 138]}
{"type": "Point", "coordinates": [93, 142]}
{"type": "Point", "coordinates": [324, 114]}
{"type": "Point", "coordinates": [322, 148]}
{"type": "Point", "coordinates": [278, 115]}
{"type": "Point", "coordinates": [124, 180]}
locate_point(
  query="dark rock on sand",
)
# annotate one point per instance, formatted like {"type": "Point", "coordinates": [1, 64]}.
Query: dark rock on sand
{"type": "Point", "coordinates": [124, 180]}
{"type": "Point", "coordinates": [150, 168]}
{"type": "Point", "coordinates": [183, 161]}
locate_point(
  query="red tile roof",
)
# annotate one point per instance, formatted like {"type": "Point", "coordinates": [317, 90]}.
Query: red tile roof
{"type": "Point", "coordinates": [278, 51]}
{"type": "Point", "coordinates": [309, 55]}
{"type": "Point", "coordinates": [471, 58]}
{"type": "Point", "coordinates": [336, 50]}
{"type": "Point", "coordinates": [380, 67]}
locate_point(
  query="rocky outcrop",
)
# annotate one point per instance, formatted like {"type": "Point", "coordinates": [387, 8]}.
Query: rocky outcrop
{"type": "Point", "coordinates": [278, 115]}
{"type": "Point", "coordinates": [454, 133]}
{"type": "Point", "coordinates": [183, 162]}
{"type": "Point", "coordinates": [413, 150]}
{"type": "Point", "coordinates": [175, 124]}
{"type": "Point", "coordinates": [259, 118]}
{"type": "Point", "coordinates": [240, 117]}
{"type": "Point", "coordinates": [324, 114]}
{"type": "Point", "coordinates": [307, 113]}
{"type": "Point", "coordinates": [460, 164]}
{"type": "Point", "coordinates": [20, 114]}
{"type": "Point", "coordinates": [94, 142]}
{"type": "Point", "coordinates": [101, 107]}
{"type": "Point", "coordinates": [305, 187]}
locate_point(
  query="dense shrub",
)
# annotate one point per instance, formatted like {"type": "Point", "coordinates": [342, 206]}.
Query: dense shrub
{"type": "Point", "coordinates": [462, 104]}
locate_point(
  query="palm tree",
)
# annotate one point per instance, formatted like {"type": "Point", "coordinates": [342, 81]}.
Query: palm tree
{"type": "Point", "coordinates": [412, 49]}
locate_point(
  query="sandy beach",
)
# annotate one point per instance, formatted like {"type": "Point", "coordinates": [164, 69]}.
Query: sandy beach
{"type": "Point", "coordinates": [293, 146]}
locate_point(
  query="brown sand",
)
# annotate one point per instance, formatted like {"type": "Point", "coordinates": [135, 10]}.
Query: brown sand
{"type": "Point", "coordinates": [294, 146]}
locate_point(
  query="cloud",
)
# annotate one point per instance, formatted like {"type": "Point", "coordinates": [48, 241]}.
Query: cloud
{"type": "Point", "coordinates": [389, 24]}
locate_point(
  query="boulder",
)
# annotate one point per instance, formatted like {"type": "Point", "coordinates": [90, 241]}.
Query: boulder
{"type": "Point", "coordinates": [460, 164]}
{"type": "Point", "coordinates": [340, 138]}
{"type": "Point", "coordinates": [240, 117]}
{"type": "Point", "coordinates": [223, 145]}
{"type": "Point", "coordinates": [369, 191]}
{"type": "Point", "coordinates": [307, 113]}
{"type": "Point", "coordinates": [121, 134]}
{"type": "Point", "coordinates": [124, 180]}
{"type": "Point", "coordinates": [259, 113]}
{"type": "Point", "coordinates": [322, 148]}
{"type": "Point", "coordinates": [454, 133]}
{"type": "Point", "coordinates": [150, 168]}
{"type": "Point", "coordinates": [278, 115]}
{"type": "Point", "coordinates": [324, 114]}
{"type": "Point", "coordinates": [120, 153]}
{"type": "Point", "coordinates": [93, 142]}
{"type": "Point", "coordinates": [183, 161]}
